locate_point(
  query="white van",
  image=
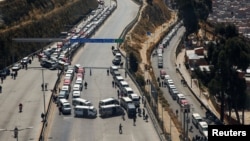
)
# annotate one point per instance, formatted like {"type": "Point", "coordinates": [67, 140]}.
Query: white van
{"type": "Point", "coordinates": [116, 73]}
{"type": "Point", "coordinates": [118, 79]}
{"type": "Point", "coordinates": [180, 97]}
{"type": "Point", "coordinates": [127, 91]}
{"type": "Point", "coordinates": [203, 128]}
{"type": "Point", "coordinates": [135, 98]}
{"type": "Point", "coordinates": [166, 78]}
{"type": "Point", "coordinates": [83, 102]}
{"type": "Point", "coordinates": [123, 84]}
{"type": "Point", "coordinates": [113, 69]}
{"type": "Point", "coordinates": [75, 94]}
{"type": "Point", "coordinates": [170, 82]}
{"type": "Point", "coordinates": [77, 87]}
{"type": "Point", "coordinates": [66, 108]}
{"type": "Point", "coordinates": [124, 101]}
{"type": "Point", "coordinates": [108, 101]}
{"type": "Point", "coordinates": [110, 110]}
{"type": "Point", "coordinates": [196, 118]}
{"type": "Point", "coordinates": [85, 111]}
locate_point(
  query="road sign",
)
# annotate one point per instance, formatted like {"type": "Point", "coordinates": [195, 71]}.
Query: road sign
{"type": "Point", "coordinates": [88, 40]}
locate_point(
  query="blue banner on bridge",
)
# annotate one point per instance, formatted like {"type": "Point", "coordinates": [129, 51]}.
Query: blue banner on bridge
{"type": "Point", "coordinates": [88, 40]}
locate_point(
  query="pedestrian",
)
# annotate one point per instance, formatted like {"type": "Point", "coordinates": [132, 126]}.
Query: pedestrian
{"type": "Point", "coordinates": [60, 109]}
{"type": "Point", "coordinates": [118, 93]}
{"type": "Point", "coordinates": [42, 116]}
{"type": "Point", "coordinates": [159, 84]}
{"type": "Point", "coordinates": [143, 113]}
{"type": "Point", "coordinates": [113, 84]}
{"type": "Point", "coordinates": [46, 86]}
{"type": "Point", "coordinates": [85, 84]}
{"type": "Point", "coordinates": [134, 119]}
{"type": "Point", "coordinates": [139, 111]}
{"type": "Point", "coordinates": [20, 107]}
{"type": "Point", "coordinates": [143, 98]}
{"type": "Point", "coordinates": [146, 117]}
{"type": "Point", "coordinates": [120, 128]}
{"type": "Point", "coordinates": [107, 72]}
{"type": "Point", "coordinates": [158, 79]}
{"type": "Point", "coordinates": [176, 112]}
{"type": "Point", "coordinates": [12, 75]}
{"type": "Point", "coordinates": [0, 89]}
{"type": "Point", "coordinates": [125, 74]}
{"type": "Point", "coordinates": [42, 87]}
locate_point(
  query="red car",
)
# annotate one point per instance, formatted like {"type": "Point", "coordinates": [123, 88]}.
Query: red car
{"type": "Point", "coordinates": [81, 70]}
{"type": "Point", "coordinates": [66, 82]}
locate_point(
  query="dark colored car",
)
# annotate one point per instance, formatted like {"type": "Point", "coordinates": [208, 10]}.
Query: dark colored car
{"type": "Point", "coordinates": [116, 61]}
{"type": "Point", "coordinates": [4, 72]}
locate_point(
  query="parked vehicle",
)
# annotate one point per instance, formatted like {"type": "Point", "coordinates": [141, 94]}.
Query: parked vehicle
{"type": "Point", "coordinates": [131, 110]}
{"type": "Point", "coordinates": [110, 110]}
{"type": "Point", "coordinates": [196, 118]}
{"type": "Point", "coordinates": [113, 69]}
{"type": "Point", "coordinates": [108, 101]}
{"type": "Point", "coordinates": [82, 102]}
{"type": "Point", "coordinates": [65, 105]}
{"type": "Point", "coordinates": [203, 128]}
{"type": "Point", "coordinates": [162, 73]}
{"type": "Point", "coordinates": [16, 67]}
{"type": "Point", "coordinates": [135, 98]}
{"type": "Point", "coordinates": [85, 111]}
{"type": "Point", "coordinates": [124, 101]}
{"type": "Point", "coordinates": [160, 62]}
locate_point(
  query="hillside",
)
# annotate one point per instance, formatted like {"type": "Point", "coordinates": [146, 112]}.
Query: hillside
{"type": "Point", "coordinates": [36, 18]}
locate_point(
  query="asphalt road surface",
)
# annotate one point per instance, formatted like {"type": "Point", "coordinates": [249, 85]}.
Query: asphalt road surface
{"type": "Point", "coordinates": [169, 57]}
{"type": "Point", "coordinates": [98, 57]}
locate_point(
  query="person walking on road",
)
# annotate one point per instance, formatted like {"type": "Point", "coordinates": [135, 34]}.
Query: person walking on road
{"type": "Point", "coordinates": [107, 72]}
{"type": "Point", "coordinates": [0, 89]}
{"type": "Point", "coordinates": [120, 128]}
{"type": "Point", "coordinates": [113, 84]}
{"type": "Point", "coordinates": [60, 109]}
{"type": "Point", "coordinates": [118, 93]}
{"type": "Point", "coordinates": [134, 119]}
{"type": "Point", "coordinates": [85, 84]}
{"type": "Point", "coordinates": [143, 113]}
{"type": "Point", "coordinates": [20, 107]}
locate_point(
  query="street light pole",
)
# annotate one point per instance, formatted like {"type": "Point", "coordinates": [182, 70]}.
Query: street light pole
{"type": "Point", "coordinates": [43, 92]}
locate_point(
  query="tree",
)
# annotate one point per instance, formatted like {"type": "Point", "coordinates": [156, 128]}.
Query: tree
{"type": "Point", "coordinates": [227, 57]}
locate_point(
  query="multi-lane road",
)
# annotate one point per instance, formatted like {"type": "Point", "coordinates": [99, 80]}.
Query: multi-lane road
{"type": "Point", "coordinates": [97, 58]}
{"type": "Point", "coordinates": [26, 89]}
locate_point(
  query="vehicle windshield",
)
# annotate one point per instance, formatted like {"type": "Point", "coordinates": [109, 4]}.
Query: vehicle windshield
{"type": "Point", "coordinates": [66, 106]}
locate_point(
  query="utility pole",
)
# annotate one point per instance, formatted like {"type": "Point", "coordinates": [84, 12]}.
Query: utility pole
{"type": "Point", "coordinates": [186, 120]}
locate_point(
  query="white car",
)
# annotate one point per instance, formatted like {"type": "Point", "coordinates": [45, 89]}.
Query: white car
{"type": "Point", "coordinates": [16, 67]}
{"type": "Point", "coordinates": [77, 87]}
{"type": "Point", "coordinates": [25, 60]}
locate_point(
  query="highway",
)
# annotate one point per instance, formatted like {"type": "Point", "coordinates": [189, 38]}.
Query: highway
{"type": "Point", "coordinates": [25, 89]}
{"type": "Point", "coordinates": [169, 57]}
{"type": "Point", "coordinates": [97, 58]}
